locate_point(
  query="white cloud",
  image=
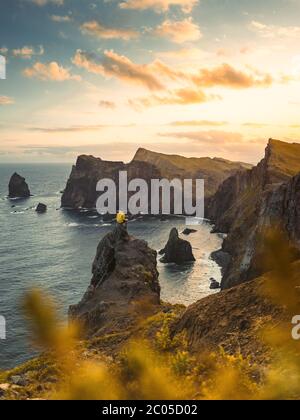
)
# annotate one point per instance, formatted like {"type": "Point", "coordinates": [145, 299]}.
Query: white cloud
{"type": "Point", "coordinates": [60, 19]}
{"type": "Point", "coordinates": [273, 31]}
{"type": "Point", "coordinates": [27, 51]}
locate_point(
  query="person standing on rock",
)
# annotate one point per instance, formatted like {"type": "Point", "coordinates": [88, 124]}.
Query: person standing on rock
{"type": "Point", "coordinates": [121, 231]}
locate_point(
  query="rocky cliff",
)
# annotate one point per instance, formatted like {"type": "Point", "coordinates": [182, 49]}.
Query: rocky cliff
{"type": "Point", "coordinates": [81, 192]}
{"type": "Point", "coordinates": [248, 202]}
{"type": "Point", "coordinates": [124, 285]}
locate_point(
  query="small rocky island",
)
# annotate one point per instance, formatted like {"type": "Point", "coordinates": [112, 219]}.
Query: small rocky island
{"type": "Point", "coordinates": [41, 208]}
{"type": "Point", "coordinates": [18, 188]}
{"type": "Point", "coordinates": [177, 250]}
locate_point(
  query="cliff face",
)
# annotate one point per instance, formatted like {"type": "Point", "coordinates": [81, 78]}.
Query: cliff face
{"type": "Point", "coordinates": [124, 285]}
{"type": "Point", "coordinates": [248, 202]}
{"type": "Point", "coordinates": [81, 187]}
{"type": "Point", "coordinates": [81, 191]}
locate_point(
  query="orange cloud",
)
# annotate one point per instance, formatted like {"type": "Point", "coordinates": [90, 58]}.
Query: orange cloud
{"type": "Point", "coordinates": [179, 31]}
{"type": "Point", "coordinates": [227, 76]}
{"type": "Point", "coordinates": [183, 96]}
{"type": "Point", "coordinates": [6, 100]}
{"type": "Point", "coordinates": [119, 66]}
{"type": "Point", "coordinates": [152, 75]}
{"type": "Point", "coordinates": [96, 29]}
{"type": "Point", "coordinates": [198, 123]}
{"type": "Point", "coordinates": [50, 71]}
{"type": "Point", "coordinates": [159, 5]}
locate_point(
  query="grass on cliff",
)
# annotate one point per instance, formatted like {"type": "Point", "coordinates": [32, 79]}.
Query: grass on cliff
{"type": "Point", "coordinates": [163, 368]}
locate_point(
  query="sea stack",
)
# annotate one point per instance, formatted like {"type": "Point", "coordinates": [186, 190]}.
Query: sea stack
{"type": "Point", "coordinates": [177, 250]}
{"type": "Point", "coordinates": [18, 187]}
{"type": "Point", "coordinates": [124, 285]}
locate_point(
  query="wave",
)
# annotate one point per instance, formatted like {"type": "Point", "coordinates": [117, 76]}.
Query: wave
{"type": "Point", "coordinates": [87, 225]}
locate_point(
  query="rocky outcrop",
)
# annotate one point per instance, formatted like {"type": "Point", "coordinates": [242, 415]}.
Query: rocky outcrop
{"type": "Point", "coordinates": [188, 231]}
{"type": "Point", "coordinates": [41, 208]}
{"type": "Point", "coordinates": [18, 187]}
{"type": "Point", "coordinates": [232, 319]}
{"type": "Point", "coordinates": [80, 191]}
{"type": "Point", "coordinates": [177, 250]}
{"type": "Point", "coordinates": [250, 201]}
{"type": "Point", "coordinates": [124, 285]}
{"type": "Point", "coordinates": [214, 284]}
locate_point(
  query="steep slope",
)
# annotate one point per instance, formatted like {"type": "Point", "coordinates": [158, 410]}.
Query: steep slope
{"type": "Point", "coordinates": [248, 202]}
{"type": "Point", "coordinates": [233, 319]}
{"type": "Point", "coordinates": [213, 171]}
{"type": "Point", "coordinates": [81, 186]}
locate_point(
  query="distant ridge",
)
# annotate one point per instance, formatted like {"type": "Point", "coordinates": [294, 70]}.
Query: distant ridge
{"type": "Point", "coordinates": [81, 187]}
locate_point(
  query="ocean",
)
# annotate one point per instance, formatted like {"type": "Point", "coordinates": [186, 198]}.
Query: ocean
{"type": "Point", "coordinates": [54, 251]}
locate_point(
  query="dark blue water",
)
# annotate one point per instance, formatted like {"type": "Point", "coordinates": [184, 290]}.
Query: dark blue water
{"type": "Point", "coordinates": [54, 251]}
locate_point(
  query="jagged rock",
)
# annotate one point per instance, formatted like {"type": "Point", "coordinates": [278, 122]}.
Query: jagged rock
{"type": "Point", "coordinates": [177, 250]}
{"type": "Point", "coordinates": [188, 231]}
{"type": "Point", "coordinates": [123, 286]}
{"type": "Point", "coordinates": [214, 284]}
{"type": "Point", "coordinates": [80, 191]}
{"type": "Point", "coordinates": [252, 200]}
{"type": "Point", "coordinates": [41, 208]}
{"type": "Point", "coordinates": [18, 187]}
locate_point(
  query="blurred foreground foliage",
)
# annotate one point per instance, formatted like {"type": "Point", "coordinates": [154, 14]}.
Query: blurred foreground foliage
{"type": "Point", "coordinates": [165, 369]}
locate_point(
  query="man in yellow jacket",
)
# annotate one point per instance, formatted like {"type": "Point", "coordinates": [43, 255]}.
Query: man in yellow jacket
{"type": "Point", "coordinates": [121, 230]}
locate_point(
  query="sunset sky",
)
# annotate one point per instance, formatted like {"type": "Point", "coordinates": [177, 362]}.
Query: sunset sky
{"type": "Point", "coordinates": [104, 77]}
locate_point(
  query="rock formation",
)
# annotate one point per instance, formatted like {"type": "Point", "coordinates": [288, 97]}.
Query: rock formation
{"type": "Point", "coordinates": [41, 208]}
{"type": "Point", "coordinates": [214, 284]}
{"type": "Point", "coordinates": [188, 231]}
{"type": "Point", "coordinates": [250, 201]}
{"type": "Point", "coordinates": [177, 250]}
{"type": "Point", "coordinates": [124, 284]}
{"type": "Point", "coordinates": [18, 187]}
{"type": "Point", "coordinates": [80, 191]}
